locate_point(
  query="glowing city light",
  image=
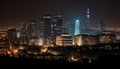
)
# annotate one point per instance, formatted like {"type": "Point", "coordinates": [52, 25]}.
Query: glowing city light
{"type": "Point", "coordinates": [40, 42]}
{"type": "Point", "coordinates": [44, 49]}
{"type": "Point", "coordinates": [77, 27]}
{"type": "Point", "coordinates": [18, 34]}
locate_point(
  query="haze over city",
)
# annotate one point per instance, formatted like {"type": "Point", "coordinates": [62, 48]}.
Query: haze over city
{"type": "Point", "coordinates": [13, 13]}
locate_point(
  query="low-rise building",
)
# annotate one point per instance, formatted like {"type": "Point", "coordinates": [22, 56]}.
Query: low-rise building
{"type": "Point", "coordinates": [80, 40]}
{"type": "Point", "coordinates": [64, 40]}
{"type": "Point", "coordinates": [106, 38]}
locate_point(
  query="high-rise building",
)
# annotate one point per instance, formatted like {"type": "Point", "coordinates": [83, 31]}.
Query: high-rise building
{"type": "Point", "coordinates": [23, 34]}
{"type": "Point", "coordinates": [12, 36]}
{"type": "Point", "coordinates": [41, 32]}
{"type": "Point", "coordinates": [88, 19]}
{"type": "Point", "coordinates": [102, 27]}
{"type": "Point", "coordinates": [71, 28]}
{"type": "Point", "coordinates": [41, 28]}
{"type": "Point", "coordinates": [32, 28]}
{"type": "Point", "coordinates": [47, 25]}
{"type": "Point", "coordinates": [45, 30]}
{"type": "Point", "coordinates": [77, 27]}
{"type": "Point", "coordinates": [3, 39]}
{"type": "Point", "coordinates": [3, 43]}
{"type": "Point", "coordinates": [57, 25]}
{"type": "Point", "coordinates": [87, 29]}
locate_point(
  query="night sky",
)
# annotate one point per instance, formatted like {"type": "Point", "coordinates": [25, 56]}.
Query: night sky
{"type": "Point", "coordinates": [14, 12]}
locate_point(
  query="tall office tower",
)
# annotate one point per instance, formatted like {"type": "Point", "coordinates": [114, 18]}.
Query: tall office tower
{"type": "Point", "coordinates": [45, 31]}
{"type": "Point", "coordinates": [71, 29]}
{"type": "Point", "coordinates": [102, 27]}
{"type": "Point", "coordinates": [56, 28]}
{"type": "Point", "coordinates": [88, 18]}
{"type": "Point", "coordinates": [47, 25]}
{"type": "Point", "coordinates": [41, 28]}
{"type": "Point", "coordinates": [12, 36]}
{"type": "Point", "coordinates": [77, 27]}
{"type": "Point", "coordinates": [41, 33]}
{"type": "Point", "coordinates": [87, 29]}
{"type": "Point", "coordinates": [57, 25]}
{"type": "Point", "coordinates": [32, 28]}
{"type": "Point", "coordinates": [23, 34]}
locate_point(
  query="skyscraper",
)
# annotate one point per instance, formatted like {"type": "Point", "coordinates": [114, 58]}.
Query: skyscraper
{"type": "Point", "coordinates": [47, 25]}
{"type": "Point", "coordinates": [77, 27]}
{"type": "Point", "coordinates": [45, 30]}
{"type": "Point", "coordinates": [88, 18]}
{"type": "Point", "coordinates": [71, 28]}
{"type": "Point", "coordinates": [23, 32]}
{"type": "Point", "coordinates": [102, 27]}
{"type": "Point", "coordinates": [86, 28]}
{"type": "Point", "coordinates": [12, 36]}
{"type": "Point", "coordinates": [41, 28]}
{"type": "Point", "coordinates": [32, 28]}
{"type": "Point", "coordinates": [57, 25]}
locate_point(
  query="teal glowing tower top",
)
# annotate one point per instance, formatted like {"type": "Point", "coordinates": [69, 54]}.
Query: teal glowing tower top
{"type": "Point", "coordinates": [77, 27]}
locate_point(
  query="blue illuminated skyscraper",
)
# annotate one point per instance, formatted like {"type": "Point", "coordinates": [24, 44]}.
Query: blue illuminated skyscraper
{"type": "Point", "coordinates": [77, 27]}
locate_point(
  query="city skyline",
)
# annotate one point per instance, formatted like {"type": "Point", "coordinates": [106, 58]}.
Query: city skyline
{"type": "Point", "coordinates": [59, 31]}
{"type": "Point", "coordinates": [14, 13]}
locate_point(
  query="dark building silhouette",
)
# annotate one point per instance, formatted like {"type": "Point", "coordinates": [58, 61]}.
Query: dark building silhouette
{"type": "Point", "coordinates": [23, 37]}
{"type": "Point", "coordinates": [32, 28]}
{"type": "Point", "coordinates": [102, 27]}
{"type": "Point", "coordinates": [12, 36]}
{"type": "Point", "coordinates": [57, 25]}
{"type": "Point", "coordinates": [47, 21]}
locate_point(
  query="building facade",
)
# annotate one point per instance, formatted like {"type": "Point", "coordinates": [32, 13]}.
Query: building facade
{"type": "Point", "coordinates": [84, 40]}
{"type": "Point", "coordinates": [64, 40]}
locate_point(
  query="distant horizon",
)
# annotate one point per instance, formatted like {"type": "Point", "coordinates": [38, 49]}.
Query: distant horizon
{"type": "Point", "coordinates": [94, 28]}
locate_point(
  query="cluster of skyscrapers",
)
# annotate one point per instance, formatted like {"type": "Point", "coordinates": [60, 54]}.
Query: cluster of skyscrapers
{"type": "Point", "coordinates": [41, 31]}
{"type": "Point", "coordinates": [49, 30]}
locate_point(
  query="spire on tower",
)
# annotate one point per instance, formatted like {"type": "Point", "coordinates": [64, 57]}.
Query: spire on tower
{"type": "Point", "coordinates": [88, 20]}
{"type": "Point", "coordinates": [88, 10]}
{"type": "Point", "coordinates": [88, 13]}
